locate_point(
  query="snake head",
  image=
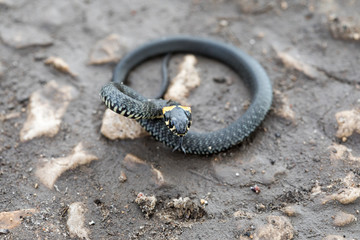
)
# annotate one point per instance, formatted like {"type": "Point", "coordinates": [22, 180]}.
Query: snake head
{"type": "Point", "coordinates": [178, 119]}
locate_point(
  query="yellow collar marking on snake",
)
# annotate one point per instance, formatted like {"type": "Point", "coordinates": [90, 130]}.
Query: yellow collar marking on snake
{"type": "Point", "coordinates": [169, 108]}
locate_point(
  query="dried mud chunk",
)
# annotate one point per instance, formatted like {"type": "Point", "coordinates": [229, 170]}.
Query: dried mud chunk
{"type": "Point", "coordinates": [185, 208]}
{"type": "Point", "coordinates": [278, 228]}
{"type": "Point", "coordinates": [107, 50]}
{"type": "Point", "coordinates": [146, 203]}
{"type": "Point", "coordinates": [344, 28]}
{"type": "Point", "coordinates": [50, 170]}
{"type": "Point", "coordinates": [283, 107]}
{"type": "Point", "coordinates": [334, 237]}
{"type": "Point", "coordinates": [9, 220]}
{"type": "Point", "coordinates": [341, 152]}
{"type": "Point", "coordinates": [348, 194]}
{"type": "Point", "coordinates": [45, 110]}
{"type": "Point", "coordinates": [184, 82]}
{"type": "Point", "coordinates": [255, 7]}
{"type": "Point", "coordinates": [60, 65]}
{"type": "Point", "coordinates": [348, 123]}
{"type": "Point", "coordinates": [115, 126]}
{"type": "Point", "coordinates": [342, 219]}
{"type": "Point", "coordinates": [25, 36]}
{"type": "Point", "coordinates": [76, 219]}
{"type": "Point", "coordinates": [295, 63]}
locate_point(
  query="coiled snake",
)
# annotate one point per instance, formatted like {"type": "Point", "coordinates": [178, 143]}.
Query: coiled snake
{"type": "Point", "coordinates": [169, 122]}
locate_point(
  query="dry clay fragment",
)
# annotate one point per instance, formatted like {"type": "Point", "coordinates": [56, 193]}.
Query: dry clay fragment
{"type": "Point", "coordinates": [9, 220]}
{"type": "Point", "coordinates": [345, 29]}
{"type": "Point", "coordinates": [25, 36]}
{"type": "Point", "coordinates": [115, 126]}
{"type": "Point", "coordinates": [45, 110]}
{"type": "Point", "coordinates": [342, 219]}
{"type": "Point", "coordinates": [278, 228]}
{"type": "Point", "coordinates": [185, 208]}
{"type": "Point", "coordinates": [186, 80]}
{"type": "Point", "coordinates": [60, 65]}
{"type": "Point", "coordinates": [292, 62]}
{"type": "Point", "coordinates": [341, 152]}
{"type": "Point", "coordinates": [107, 50]}
{"type": "Point", "coordinates": [334, 237]}
{"type": "Point", "coordinates": [146, 203]}
{"type": "Point", "coordinates": [346, 195]}
{"type": "Point", "coordinates": [349, 122]}
{"type": "Point", "coordinates": [50, 170]}
{"type": "Point", "coordinates": [133, 163]}
{"type": "Point", "coordinates": [283, 107]}
{"type": "Point", "coordinates": [75, 222]}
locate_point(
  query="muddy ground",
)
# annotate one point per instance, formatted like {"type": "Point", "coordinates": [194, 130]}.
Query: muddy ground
{"type": "Point", "coordinates": [311, 52]}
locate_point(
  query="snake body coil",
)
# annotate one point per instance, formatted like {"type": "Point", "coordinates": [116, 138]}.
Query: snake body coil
{"type": "Point", "coordinates": [128, 102]}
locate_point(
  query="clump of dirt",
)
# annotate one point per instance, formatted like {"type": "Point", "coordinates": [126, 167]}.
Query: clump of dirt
{"type": "Point", "coordinates": [185, 208]}
{"type": "Point", "coordinates": [146, 203]}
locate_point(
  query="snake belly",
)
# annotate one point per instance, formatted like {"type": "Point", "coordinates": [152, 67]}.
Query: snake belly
{"type": "Point", "coordinates": [130, 103]}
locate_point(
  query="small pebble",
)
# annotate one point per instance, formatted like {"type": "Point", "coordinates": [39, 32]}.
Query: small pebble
{"type": "Point", "coordinates": [255, 189]}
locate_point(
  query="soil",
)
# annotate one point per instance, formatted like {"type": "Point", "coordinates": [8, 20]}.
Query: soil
{"type": "Point", "coordinates": [286, 158]}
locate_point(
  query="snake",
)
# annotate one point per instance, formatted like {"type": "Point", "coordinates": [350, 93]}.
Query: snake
{"type": "Point", "coordinates": [168, 121]}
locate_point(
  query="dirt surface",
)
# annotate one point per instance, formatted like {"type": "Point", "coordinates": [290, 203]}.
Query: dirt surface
{"type": "Point", "coordinates": [293, 157]}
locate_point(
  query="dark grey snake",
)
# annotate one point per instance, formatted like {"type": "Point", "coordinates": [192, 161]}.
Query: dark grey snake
{"type": "Point", "coordinates": [157, 115]}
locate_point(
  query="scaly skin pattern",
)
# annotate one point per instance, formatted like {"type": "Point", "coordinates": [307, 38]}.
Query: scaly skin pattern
{"type": "Point", "coordinates": [122, 98]}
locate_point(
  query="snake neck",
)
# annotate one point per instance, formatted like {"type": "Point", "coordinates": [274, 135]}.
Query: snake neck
{"type": "Point", "coordinates": [127, 102]}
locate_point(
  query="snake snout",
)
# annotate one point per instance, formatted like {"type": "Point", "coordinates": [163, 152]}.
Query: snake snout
{"type": "Point", "coordinates": [178, 119]}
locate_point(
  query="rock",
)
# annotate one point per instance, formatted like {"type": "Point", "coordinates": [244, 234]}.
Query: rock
{"type": "Point", "coordinates": [60, 65]}
{"type": "Point", "coordinates": [185, 208]}
{"type": "Point", "coordinates": [10, 220]}
{"type": "Point", "coordinates": [45, 110]}
{"type": "Point", "coordinates": [342, 219]}
{"type": "Point", "coordinates": [296, 63]}
{"type": "Point", "coordinates": [341, 152]}
{"type": "Point", "coordinates": [76, 219]}
{"type": "Point", "coordinates": [348, 123]}
{"type": "Point", "coordinates": [115, 126]}
{"type": "Point", "coordinates": [146, 203]}
{"type": "Point", "coordinates": [290, 211]}
{"type": "Point", "coordinates": [50, 169]}
{"type": "Point", "coordinates": [334, 237]}
{"type": "Point", "coordinates": [184, 82]}
{"type": "Point", "coordinates": [255, 7]}
{"type": "Point", "coordinates": [346, 195]}
{"type": "Point", "coordinates": [344, 28]}
{"type": "Point", "coordinates": [278, 228]}
{"type": "Point", "coordinates": [283, 107]}
{"type": "Point", "coordinates": [25, 36]}
{"type": "Point", "coordinates": [109, 49]}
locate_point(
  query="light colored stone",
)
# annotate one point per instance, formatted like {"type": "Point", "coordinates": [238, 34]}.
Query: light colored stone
{"type": "Point", "coordinates": [184, 82]}
{"type": "Point", "coordinates": [278, 228]}
{"type": "Point", "coordinates": [343, 219]}
{"type": "Point", "coordinates": [60, 65]}
{"type": "Point", "coordinates": [76, 219]}
{"type": "Point", "coordinates": [45, 110]}
{"type": "Point", "coordinates": [348, 123]}
{"type": "Point", "coordinates": [9, 220]}
{"type": "Point", "coordinates": [334, 237]}
{"type": "Point", "coordinates": [50, 169]}
{"type": "Point", "coordinates": [23, 36]}
{"type": "Point", "coordinates": [115, 126]}
{"type": "Point", "coordinates": [283, 107]}
{"type": "Point", "coordinates": [109, 49]}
